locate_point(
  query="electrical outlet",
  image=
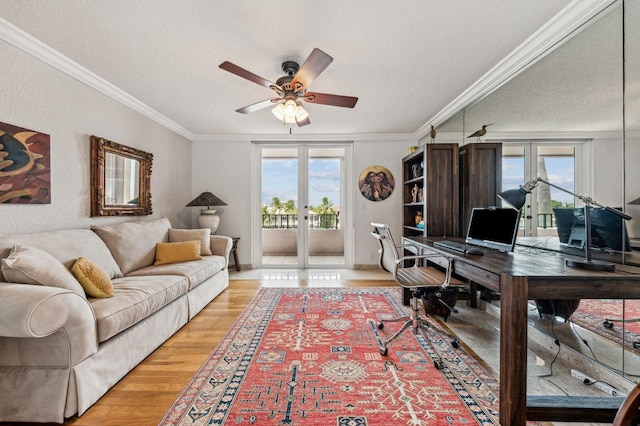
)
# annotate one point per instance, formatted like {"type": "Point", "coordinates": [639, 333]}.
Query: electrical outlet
{"type": "Point", "coordinates": [581, 376]}
{"type": "Point", "coordinates": [593, 382]}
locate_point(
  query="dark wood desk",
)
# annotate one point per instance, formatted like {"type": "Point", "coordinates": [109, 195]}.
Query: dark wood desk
{"type": "Point", "coordinates": [521, 276]}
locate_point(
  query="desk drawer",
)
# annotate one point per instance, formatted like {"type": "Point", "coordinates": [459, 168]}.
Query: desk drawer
{"type": "Point", "coordinates": [478, 275]}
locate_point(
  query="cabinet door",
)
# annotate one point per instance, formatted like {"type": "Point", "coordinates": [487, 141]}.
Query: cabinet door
{"type": "Point", "coordinates": [480, 178]}
{"type": "Point", "coordinates": [441, 193]}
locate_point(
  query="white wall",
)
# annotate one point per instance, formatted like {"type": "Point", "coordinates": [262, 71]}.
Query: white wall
{"type": "Point", "coordinates": [38, 97]}
{"type": "Point", "coordinates": [226, 169]}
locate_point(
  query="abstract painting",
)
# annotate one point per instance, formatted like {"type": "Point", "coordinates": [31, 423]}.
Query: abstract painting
{"type": "Point", "coordinates": [25, 173]}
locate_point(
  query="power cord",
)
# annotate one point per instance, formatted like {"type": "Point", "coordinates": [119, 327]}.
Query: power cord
{"type": "Point", "coordinates": [584, 341]}
{"type": "Point", "coordinates": [556, 341]}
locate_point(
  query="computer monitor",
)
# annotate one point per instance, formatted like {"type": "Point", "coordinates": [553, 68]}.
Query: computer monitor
{"type": "Point", "coordinates": [565, 220]}
{"type": "Point", "coordinates": [606, 229]}
{"type": "Point", "coordinates": [494, 228]}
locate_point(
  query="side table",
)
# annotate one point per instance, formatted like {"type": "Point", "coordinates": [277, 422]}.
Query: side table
{"type": "Point", "coordinates": [234, 250]}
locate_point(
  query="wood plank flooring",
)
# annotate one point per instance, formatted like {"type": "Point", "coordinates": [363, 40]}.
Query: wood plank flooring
{"type": "Point", "coordinates": [143, 396]}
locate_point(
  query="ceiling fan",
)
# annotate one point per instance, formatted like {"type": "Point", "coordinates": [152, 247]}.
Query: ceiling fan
{"type": "Point", "coordinates": [292, 87]}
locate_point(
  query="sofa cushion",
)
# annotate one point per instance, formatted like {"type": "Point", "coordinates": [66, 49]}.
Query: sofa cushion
{"type": "Point", "coordinates": [135, 298]}
{"type": "Point", "coordinates": [30, 265]}
{"type": "Point", "coordinates": [177, 252]}
{"type": "Point", "coordinates": [203, 235]}
{"type": "Point", "coordinates": [66, 246]}
{"type": "Point", "coordinates": [196, 272]}
{"type": "Point", "coordinates": [133, 244]}
{"type": "Point", "coordinates": [93, 278]}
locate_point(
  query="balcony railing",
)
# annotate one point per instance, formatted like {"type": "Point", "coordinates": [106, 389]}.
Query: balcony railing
{"type": "Point", "coordinates": [290, 221]}
{"type": "Point", "coordinates": [546, 220]}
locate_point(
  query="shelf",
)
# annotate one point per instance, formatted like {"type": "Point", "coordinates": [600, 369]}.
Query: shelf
{"type": "Point", "coordinates": [438, 185]}
{"type": "Point", "coordinates": [414, 180]}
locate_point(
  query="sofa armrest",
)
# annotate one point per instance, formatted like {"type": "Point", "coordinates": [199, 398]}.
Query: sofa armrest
{"type": "Point", "coordinates": [221, 246]}
{"type": "Point", "coordinates": [33, 316]}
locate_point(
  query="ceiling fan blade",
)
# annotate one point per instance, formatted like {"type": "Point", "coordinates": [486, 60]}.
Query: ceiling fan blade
{"type": "Point", "coordinates": [334, 100]}
{"type": "Point", "coordinates": [317, 62]}
{"type": "Point", "coordinates": [259, 105]}
{"type": "Point", "coordinates": [304, 122]}
{"type": "Point", "coordinates": [241, 72]}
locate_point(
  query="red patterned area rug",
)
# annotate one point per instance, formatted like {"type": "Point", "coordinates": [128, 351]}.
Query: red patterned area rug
{"type": "Point", "coordinates": [310, 357]}
{"type": "Point", "coordinates": [592, 313]}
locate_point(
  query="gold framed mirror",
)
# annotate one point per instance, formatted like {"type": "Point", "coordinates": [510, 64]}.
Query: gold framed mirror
{"type": "Point", "coordinates": [120, 177]}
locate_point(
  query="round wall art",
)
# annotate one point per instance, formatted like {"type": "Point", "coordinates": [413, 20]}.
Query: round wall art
{"type": "Point", "coordinates": [376, 183]}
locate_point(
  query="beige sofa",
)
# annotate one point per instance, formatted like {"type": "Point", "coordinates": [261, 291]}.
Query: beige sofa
{"type": "Point", "coordinates": [61, 350]}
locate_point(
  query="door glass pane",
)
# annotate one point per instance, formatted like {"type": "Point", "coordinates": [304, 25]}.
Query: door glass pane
{"type": "Point", "coordinates": [325, 196]}
{"type": "Point", "coordinates": [279, 206]}
{"type": "Point", "coordinates": [555, 164]}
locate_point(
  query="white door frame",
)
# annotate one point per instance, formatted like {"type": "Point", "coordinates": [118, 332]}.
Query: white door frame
{"type": "Point", "coordinates": [346, 210]}
{"type": "Point", "coordinates": [582, 176]}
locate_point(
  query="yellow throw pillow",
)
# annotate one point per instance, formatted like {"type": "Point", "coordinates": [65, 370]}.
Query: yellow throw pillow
{"type": "Point", "coordinates": [94, 280]}
{"type": "Point", "coordinates": [177, 252]}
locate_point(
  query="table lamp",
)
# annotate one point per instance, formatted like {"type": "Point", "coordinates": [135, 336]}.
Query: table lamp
{"type": "Point", "coordinates": [208, 218]}
{"type": "Point", "coordinates": [516, 198]}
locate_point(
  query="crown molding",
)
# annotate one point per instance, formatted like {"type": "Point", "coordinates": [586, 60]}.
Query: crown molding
{"type": "Point", "coordinates": [383, 137]}
{"type": "Point", "coordinates": [534, 48]}
{"type": "Point", "coordinates": [34, 47]}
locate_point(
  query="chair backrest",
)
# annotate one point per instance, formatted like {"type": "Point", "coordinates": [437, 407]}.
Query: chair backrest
{"type": "Point", "coordinates": [388, 253]}
{"type": "Point", "coordinates": [629, 408]}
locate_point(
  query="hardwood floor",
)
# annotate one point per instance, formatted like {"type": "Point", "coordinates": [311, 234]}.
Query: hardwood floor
{"type": "Point", "coordinates": [143, 395]}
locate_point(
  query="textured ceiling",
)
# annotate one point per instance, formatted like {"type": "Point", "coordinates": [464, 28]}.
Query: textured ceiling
{"type": "Point", "coordinates": [404, 60]}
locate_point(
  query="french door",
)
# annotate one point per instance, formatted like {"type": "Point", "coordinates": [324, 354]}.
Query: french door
{"type": "Point", "coordinates": [556, 163]}
{"type": "Point", "coordinates": [300, 207]}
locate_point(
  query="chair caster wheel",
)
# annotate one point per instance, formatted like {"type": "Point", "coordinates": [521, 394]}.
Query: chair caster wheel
{"type": "Point", "coordinates": [608, 325]}
{"type": "Point", "coordinates": [384, 351]}
{"type": "Point", "coordinates": [455, 344]}
{"type": "Point", "coordinates": [380, 326]}
{"type": "Point", "coordinates": [438, 364]}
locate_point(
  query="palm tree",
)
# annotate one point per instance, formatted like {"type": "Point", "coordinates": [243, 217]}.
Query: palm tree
{"type": "Point", "coordinates": [325, 208]}
{"type": "Point", "coordinates": [275, 206]}
{"type": "Point", "coordinates": [290, 207]}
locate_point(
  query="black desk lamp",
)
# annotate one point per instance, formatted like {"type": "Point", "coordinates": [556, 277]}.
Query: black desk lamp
{"type": "Point", "coordinates": [516, 198]}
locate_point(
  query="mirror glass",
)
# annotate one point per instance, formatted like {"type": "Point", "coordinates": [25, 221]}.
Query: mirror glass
{"type": "Point", "coordinates": [120, 177]}
{"type": "Point", "coordinates": [576, 106]}
{"type": "Point", "coordinates": [630, 310]}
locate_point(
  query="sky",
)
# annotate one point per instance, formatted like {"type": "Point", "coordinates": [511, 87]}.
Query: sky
{"type": "Point", "coordinates": [280, 179]}
{"type": "Point", "coordinates": [560, 171]}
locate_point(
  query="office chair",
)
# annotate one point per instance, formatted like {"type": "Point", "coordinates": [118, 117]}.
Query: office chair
{"type": "Point", "coordinates": [430, 284]}
{"type": "Point", "coordinates": [608, 324]}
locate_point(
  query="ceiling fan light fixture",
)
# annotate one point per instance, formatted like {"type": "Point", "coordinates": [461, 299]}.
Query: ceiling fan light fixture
{"type": "Point", "coordinates": [290, 108]}
{"type": "Point", "coordinates": [278, 112]}
{"type": "Point", "coordinates": [290, 111]}
{"type": "Point", "coordinates": [301, 113]}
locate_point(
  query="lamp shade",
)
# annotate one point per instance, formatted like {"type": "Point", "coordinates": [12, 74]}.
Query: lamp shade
{"type": "Point", "coordinates": [206, 199]}
{"type": "Point", "coordinates": [516, 198]}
